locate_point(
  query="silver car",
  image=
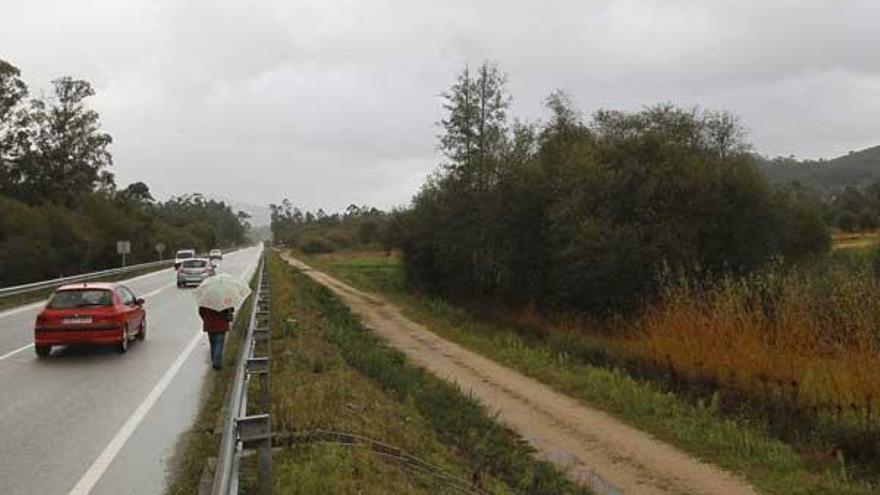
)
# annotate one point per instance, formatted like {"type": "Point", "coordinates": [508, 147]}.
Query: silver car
{"type": "Point", "coordinates": [193, 271]}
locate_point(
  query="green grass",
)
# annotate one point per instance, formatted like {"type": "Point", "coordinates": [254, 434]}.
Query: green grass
{"type": "Point", "coordinates": [330, 373]}
{"type": "Point", "coordinates": [736, 444]}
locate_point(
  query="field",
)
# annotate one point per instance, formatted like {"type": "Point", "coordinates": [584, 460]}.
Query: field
{"type": "Point", "coordinates": [720, 388]}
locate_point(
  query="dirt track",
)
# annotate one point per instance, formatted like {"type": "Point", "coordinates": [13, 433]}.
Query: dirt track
{"type": "Point", "coordinates": [595, 448]}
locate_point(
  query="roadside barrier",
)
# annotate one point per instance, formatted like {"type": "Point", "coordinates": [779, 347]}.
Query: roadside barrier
{"type": "Point", "coordinates": [58, 282]}
{"type": "Point", "coordinates": [243, 431]}
{"type": "Point", "coordinates": [84, 277]}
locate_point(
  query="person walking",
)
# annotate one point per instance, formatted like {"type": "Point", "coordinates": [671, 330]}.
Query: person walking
{"type": "Point", "coordinates": [216, 324]}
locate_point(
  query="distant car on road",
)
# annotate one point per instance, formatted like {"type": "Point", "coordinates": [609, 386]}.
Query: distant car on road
{"type": "Point", "coordinates": [90, 313]}
{"type": "Point", "coordinates": [215, 254]}
{"type": "Point", "coordinates": [183, 254]}
{"type": "Point", "coordinates": [194, 271]}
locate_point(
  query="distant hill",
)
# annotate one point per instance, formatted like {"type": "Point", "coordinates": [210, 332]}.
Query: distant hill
{"type": "Point", "coordinates": [858, 168]}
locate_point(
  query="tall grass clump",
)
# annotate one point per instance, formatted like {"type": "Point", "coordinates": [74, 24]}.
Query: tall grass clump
{"type": "Point", "coordinates": [800, 347]}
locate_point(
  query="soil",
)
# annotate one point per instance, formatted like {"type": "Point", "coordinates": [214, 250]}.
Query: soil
{"type": "Point", "coordinates": [594, 448]}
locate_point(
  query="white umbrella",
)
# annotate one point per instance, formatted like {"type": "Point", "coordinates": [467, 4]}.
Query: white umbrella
{"type": "Point", "coordinates": [221, 292]}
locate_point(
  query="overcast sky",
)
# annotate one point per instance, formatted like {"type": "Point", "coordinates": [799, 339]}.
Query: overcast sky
{"type": "Point", "coordinates": [333, 102]}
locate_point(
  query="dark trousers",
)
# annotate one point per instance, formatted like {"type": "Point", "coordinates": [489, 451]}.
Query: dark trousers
{"type": "Point", "coordinates": [216, 340]}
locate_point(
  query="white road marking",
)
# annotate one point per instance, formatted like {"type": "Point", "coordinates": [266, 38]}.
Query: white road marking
{"type": "Point", "coordinates": [20, 309]}
{"type": "Point", "coordinates": [12, 353]}
{"type": "Point", "coordinates": [160, 289]}
{"type": "Point", "coordinates": [145, 275]}
{"type": "Point", "coordinates": [88, 480]}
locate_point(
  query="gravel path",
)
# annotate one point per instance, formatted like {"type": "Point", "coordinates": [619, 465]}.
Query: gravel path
{"type": "Point", "coordinates": [595, 448]}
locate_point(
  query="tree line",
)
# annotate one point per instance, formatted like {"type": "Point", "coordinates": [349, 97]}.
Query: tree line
{"type": "Point", "coordinates": [592, 213]}
{"type": "Point", "coordinates": [61, 211]}
{"type": "Point", "coordinates": [358, 227]}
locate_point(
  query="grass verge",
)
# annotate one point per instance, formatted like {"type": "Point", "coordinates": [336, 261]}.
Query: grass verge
{"type": "Point", "coordinates": [329, 373]}
{"type": "Point", "coordinates": [737, 444]}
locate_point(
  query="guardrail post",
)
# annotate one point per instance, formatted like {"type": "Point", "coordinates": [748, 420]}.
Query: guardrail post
{"type": "Point", "coordinates": [256, 432]}
{"type": "Point", "coordinates": [260, 367]}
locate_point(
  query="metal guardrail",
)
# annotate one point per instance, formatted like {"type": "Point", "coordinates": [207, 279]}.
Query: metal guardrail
{"type": "Point", "coordinates": [83, 277]}
{"type": "Point", "coordinates": [58, 282]}
{"type": "Point", "coordinates": [240, 430]}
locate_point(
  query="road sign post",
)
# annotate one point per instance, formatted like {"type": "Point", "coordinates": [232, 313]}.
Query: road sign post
{"type": "Point", "coordinates": [123, 248]}
{"type": "Point", "coordinates": [159, 249]}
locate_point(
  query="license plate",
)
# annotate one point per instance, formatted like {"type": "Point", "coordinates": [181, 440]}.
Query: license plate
{"type": "Point", "coordinates": [77, 321]}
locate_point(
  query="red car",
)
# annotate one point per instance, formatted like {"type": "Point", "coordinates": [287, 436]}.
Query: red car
{"type": "Point", "coordinates": [90, 313]}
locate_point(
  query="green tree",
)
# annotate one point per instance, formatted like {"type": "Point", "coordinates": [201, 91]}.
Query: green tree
{"type": "Point", "coordinates": [65, 152]}
{"type": "Point", "coordinates": [589, 215]}
{"type": "Point", "coordinates": [13, 91]}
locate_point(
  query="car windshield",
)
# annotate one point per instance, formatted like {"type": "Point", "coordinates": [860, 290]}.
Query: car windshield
{"type": "Point", "coordinates": [195, 264]}
{"type": "Point", "coordinates": [67, 299]}
{"type": "Point", "coordinates": [185, 254]}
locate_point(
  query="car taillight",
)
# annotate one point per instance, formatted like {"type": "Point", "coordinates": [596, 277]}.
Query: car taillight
{"type": "Point", "coordinates": [41, 318]}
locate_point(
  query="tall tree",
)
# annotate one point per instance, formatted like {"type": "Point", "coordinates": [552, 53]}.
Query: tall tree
{"type": "Point", "coordinates": [68, 151]}
{"type": "Point", "coordinates": [13, 91]}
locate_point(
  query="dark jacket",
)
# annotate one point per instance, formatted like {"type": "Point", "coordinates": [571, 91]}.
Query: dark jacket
{"type": "Point", "coordinates": [215, 321]}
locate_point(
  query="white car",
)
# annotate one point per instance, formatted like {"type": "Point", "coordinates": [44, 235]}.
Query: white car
{"type": "Point", "coordinates": [183, 254]}
{"type": "Point", "coordinates": [194, 271]}
{"type": "Point", "coordinates": [215, 254]}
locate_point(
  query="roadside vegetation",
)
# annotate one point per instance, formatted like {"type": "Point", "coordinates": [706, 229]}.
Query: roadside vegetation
{"type": "Point", "coordinates": [715, 424]}
{"type": "Point", "coordinates": [358, 228]}
{"type": "Point", "coordinates": [61, 212]}
{"type": "Point", "coordinates": [642, 262]}
{"type": "Point", "coordinates": [333, 382]}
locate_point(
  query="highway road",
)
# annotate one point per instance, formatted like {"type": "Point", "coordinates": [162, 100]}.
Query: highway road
{"type": "Point", "coordinates": [95, 421]}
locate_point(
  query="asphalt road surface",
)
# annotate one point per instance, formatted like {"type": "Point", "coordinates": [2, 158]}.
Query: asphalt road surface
{"type": "Point", "coordinates": [90, 420]}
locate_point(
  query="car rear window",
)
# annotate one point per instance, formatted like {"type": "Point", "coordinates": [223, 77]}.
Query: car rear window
{"type": "Point", "coordinates": [185, 254]}
{"type": "Point", "coordinates": [195, 264]}
{"type": "Point", "coordinates": [68, 299]}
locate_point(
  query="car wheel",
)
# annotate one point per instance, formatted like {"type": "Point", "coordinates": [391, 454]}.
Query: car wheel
{"type": "Point", "coordinates": [122, 347]}
{"type": "Point", "coordinates": [142, 334]}
{"type": "Point", "coordinates": [43, 350]}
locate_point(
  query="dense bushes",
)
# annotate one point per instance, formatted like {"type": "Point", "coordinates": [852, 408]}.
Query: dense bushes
{"type": "Point", "coordinates": [47, 240]}
{"type": "Point", "coordinates": [584, 214]}
{"type": "Point", "coordinates": [360, 227]}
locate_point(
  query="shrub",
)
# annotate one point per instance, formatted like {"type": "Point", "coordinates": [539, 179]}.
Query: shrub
{"type": "Point", "coordinates": [316, 245]}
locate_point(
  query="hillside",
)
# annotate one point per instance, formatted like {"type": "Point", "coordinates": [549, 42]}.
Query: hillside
{"type": "Point", "coordinates": [858, 168]}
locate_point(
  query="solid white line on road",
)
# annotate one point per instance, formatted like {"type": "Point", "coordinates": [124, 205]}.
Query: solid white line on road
{"type": "Point", "coordinates": [145, 275]}
{"type": "Point", "coordinates": [14, 311]}
{"type": "Point", "coordinates": [20, 309]}
{"type": "Point", "coordinates": [160, 289]}
{"type": "Point", "coordinates": [88, 480]}
{"type": "Point", "coordinates": [11, 353]}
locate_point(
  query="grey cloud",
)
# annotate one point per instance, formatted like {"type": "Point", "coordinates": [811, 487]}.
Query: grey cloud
{"type": "Point", "coordinates": [332, 102]}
